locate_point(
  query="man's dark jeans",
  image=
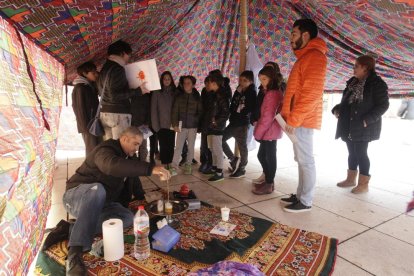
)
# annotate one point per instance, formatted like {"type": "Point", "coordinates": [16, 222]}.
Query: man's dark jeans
{"type": "Point", "coordinates": [87, 203]}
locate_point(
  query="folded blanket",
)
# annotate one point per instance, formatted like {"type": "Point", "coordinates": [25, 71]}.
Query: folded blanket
{"type": "Point", "coordinates": [228, 268]}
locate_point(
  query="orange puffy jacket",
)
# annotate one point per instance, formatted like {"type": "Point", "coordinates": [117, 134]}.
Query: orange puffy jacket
{"type": "Point", "coordinates": [302, 104]}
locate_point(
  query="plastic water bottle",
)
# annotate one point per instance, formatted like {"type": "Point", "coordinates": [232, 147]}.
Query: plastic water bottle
{"type": "Point", "coordinates": [141, 231]}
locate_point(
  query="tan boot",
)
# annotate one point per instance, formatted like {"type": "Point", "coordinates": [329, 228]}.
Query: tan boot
{"type": "Point", "coordinates": [350, 180]}
{"type": "Point", "coordinates": [362, 187]}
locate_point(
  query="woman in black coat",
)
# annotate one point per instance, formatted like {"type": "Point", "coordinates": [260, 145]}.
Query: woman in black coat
{"type": "Point", "coordinates": [364, 101]}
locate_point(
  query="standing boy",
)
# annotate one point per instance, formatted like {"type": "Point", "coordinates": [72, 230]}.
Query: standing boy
{"type": "Point", "coordinates": [242, 105]}
{"type": "Point", "coordinates": [85, 103]}
{"type": "Point", "coordinates": [185, 115]}
{"type": "Point", "coordinates": [216, 117]}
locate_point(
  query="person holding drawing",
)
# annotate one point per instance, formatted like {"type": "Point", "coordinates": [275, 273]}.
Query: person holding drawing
{"type": "Point", "coordinates": [302, 107]}
{"type": "Point", "coordinates": [114, 89]}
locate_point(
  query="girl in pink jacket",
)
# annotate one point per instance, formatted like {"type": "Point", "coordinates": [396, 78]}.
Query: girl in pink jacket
{"type": "Point", "coordinates": [267, 129]}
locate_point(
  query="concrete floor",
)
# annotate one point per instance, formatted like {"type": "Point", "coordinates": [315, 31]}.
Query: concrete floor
{"type": "Point", "coordinates": [375, 235]}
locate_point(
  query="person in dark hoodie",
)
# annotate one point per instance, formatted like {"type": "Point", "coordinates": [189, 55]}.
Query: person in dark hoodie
{"type": "Point", "coordinates": [115, 92]}
{"type": "Point", "coordinates": [85, 103]}
{"type": "Point", "coordinates": [186, 113]}
{"type": "Point", "coordinates": [215, 119]}
{"type": "Point", "coordinates": [205, 153]}
{"type": "Point", "coordinates": [96, 192]}
{"type": "Point", "coordinates": [226, 82]}
{"type": "Point", "coordinates": [243, 105]}
{"type": "Point", "coordinates": [141, 115]}
{"type": "Point", "coordinates": [180, 89]}
{"type": "Point", "coordinates": [140, 111]}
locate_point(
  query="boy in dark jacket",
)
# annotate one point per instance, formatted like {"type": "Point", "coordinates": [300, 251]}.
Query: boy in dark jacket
{"type": "Point", "coordinates": [243, 104]}
{"type": "Point", "coordinates": [85, 103]}
{"type": "Point", "coordinates": [185, 117]}
{"type": "Point", "coordinates": [215, 119]}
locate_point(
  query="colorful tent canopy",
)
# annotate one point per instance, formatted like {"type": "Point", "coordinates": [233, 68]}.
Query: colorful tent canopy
{"type": "Point", "coordinates": [185, 37]}
{"type": "Point", "coordinates": [196, 36]}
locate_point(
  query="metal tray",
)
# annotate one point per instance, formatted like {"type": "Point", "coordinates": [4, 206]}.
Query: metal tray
{"type": "Point", "coordinates": [178, 208]}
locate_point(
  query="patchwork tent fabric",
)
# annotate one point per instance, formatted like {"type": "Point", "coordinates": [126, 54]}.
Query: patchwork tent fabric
{"type": "Point", "coordinates": [27, 148]}
{"type": "Point", "coordinates": [197, 36]}
{"type": "Point", "coordinates": [185, 37]}
{"type": "Point", "coordinates": [206, 40]}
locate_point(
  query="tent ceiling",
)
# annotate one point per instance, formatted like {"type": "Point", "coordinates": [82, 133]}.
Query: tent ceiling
{"type": "Point", "coordinates": [74, 31]}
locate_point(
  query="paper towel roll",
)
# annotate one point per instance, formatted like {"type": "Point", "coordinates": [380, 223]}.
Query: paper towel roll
{"type": "Point", "coordinates": [113, 239]}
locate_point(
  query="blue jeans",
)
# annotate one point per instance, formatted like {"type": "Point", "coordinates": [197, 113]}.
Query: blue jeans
{"type": "Point", "coordinates": [303, 150]}
{"type": "Point", "coordinates": [87, 203]}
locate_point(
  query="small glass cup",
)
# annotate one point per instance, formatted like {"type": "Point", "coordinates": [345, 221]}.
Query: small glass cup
{"type": "Point", "coordinates": [225, 214]}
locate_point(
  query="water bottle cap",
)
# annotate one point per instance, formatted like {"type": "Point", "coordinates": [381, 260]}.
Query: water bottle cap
{"type": "Point", "coordinates": [141, 207]}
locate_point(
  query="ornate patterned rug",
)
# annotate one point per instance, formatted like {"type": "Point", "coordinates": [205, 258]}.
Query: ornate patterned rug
{"type": "Point", "coordinates": [274, 248]}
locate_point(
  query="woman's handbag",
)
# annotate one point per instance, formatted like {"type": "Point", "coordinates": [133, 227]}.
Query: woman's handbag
{"type": "Point", "coordinates": [95, 126]}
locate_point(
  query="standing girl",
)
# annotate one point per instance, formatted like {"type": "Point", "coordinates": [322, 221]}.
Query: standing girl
{"type": "Point", "coordinates": [267, 130]}
{"type": "Point", "coordinates": [161, 106]}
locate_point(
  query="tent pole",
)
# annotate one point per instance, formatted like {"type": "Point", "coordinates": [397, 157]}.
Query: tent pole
{"type": "Point", "coordinates": [242, 48]}
{"type": "Point", "coordinates": [243, 35]}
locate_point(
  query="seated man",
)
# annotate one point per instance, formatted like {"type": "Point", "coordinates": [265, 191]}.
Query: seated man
{"type": "Point", "coordinates": [94, 193]}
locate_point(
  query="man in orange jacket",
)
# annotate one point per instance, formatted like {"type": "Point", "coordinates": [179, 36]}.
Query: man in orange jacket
{"type": "Point", "coordinates": [302, 107]}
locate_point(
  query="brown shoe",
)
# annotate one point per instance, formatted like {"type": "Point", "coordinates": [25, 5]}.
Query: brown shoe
{"type": "Point", "coordinates": [264, 189]}
{"type": "Point", "coordinates": [259, 185]}
{"type": "Point", "coordinates": [362, 187]}
{"type": "Point", "coordinates": [350, 180]}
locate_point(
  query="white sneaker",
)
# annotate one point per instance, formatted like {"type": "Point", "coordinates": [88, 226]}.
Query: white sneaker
{"type": "Point", "coordinates": [173, 171]}
{"type": "Point", "coordinates": [259, 180]}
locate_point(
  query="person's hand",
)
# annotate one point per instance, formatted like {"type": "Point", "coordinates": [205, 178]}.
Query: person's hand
{"type": "Point", "coordinates": [161, 172]}
{"type": "Point", "coordinates": [290, 129]}
{"type": "Point", "coordinates": [254, 124]}
{"type": "Point", "coordinates": [239, 89]}
{"type": "Point", "coordinates": [336, 113]}
{"type": "Point", "coordinates": [177, 129]}
{"type": "Point", "coordinates": [365, 123]}
{"type": "Point", "coordinates": [144, 88]}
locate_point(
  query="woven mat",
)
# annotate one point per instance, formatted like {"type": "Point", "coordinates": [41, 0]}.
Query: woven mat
{"type": "Point", "coordinates": [274, 248]}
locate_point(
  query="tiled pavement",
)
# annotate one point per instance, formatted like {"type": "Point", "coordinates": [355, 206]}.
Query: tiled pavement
{"type": "Point", "coordinates": [375, 236]}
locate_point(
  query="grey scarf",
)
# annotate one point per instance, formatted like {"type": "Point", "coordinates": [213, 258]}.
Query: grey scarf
{"type": "Point", "coordinates": [81, 79]}
{"type": "Point", "coordinates": [356, 90]}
